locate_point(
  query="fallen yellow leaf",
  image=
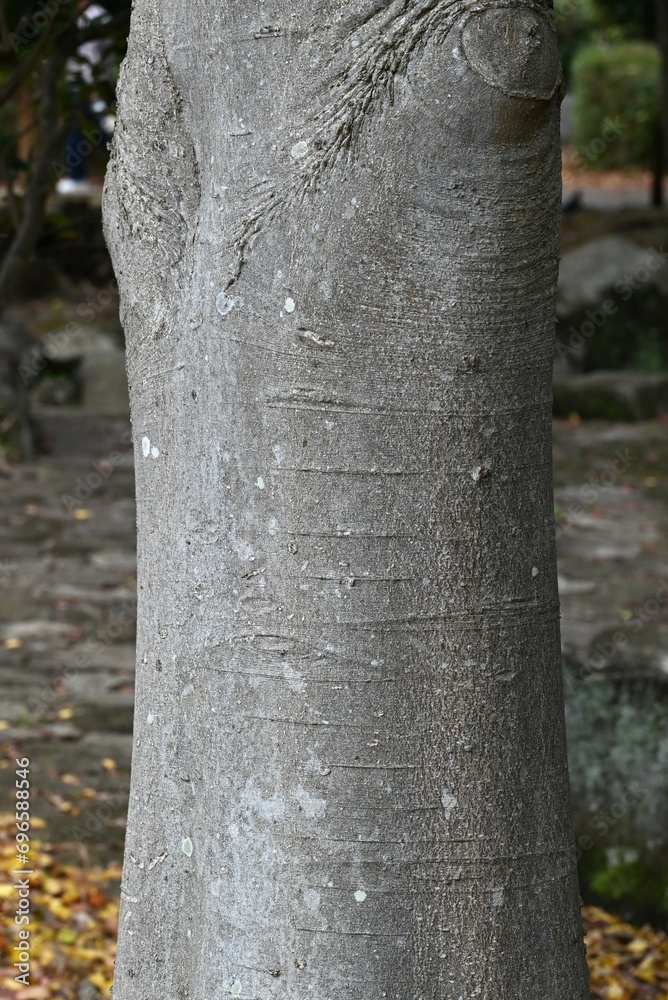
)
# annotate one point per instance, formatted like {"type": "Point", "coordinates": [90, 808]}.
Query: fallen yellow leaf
{"type": "Point", "coordinates": [53, 886]}
{"type": "Point", "coordinates": [646, 970]}
{"type": "Point", "coordinates": [66, 935]}
{"type": "Point", "coordinates": [13, 643]}
{"type": "Point", "coordinates": [637, 946]}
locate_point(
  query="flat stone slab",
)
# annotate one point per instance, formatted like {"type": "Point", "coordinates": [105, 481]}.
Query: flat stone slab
{"type": "Point", "coordinates": [613, 395]}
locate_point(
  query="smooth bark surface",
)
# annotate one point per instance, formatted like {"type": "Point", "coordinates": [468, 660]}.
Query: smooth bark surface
{"type": "Point", "coordinates": [335, 229]}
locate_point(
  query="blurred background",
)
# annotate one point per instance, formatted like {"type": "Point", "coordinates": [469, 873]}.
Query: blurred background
{"type": "Point", "coordinates": [67, 559]}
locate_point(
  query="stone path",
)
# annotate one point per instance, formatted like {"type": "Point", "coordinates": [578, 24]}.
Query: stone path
{"type": "Point", "coordinates": [67, 623]}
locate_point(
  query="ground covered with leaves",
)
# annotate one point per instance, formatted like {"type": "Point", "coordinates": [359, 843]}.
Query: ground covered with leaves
{"type": "Point", "coordinates": [73, 925]}
{"type": "Point", "coordinates": [74, 921]}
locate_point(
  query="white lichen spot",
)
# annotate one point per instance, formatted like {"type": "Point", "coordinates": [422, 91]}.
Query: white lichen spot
{"type": "Point", "coordinates": [294, 678]}
{"type": "Point", "coordinates": [311, 805]}
{"type": "Point", "coordinates": [242, 548]}
{"type": "Point", "coordinates": [155, 452]}
{"type": "Point", "coordinates": [534, 571]}
{"type": "Point", "coordinates": [259, 482]}
{"type": "Point", "coordinates": [289, 305]}
{"type": "Point", "coordinates": [235, 988]}
{"type": "Point", "coordinates": [311, 900]}
{"type": "Point", "coordinates": [233, 831]}
{"type": "Point", "coordinates": [299, 149]}
{"type": "Point", "coordinates": [360, 895]}
{"type": "Point", "coordinates": [449, 802]}
{"type": "Point", "coordinates": [187, 847]}
{"type": "Point", "coordinates": [150, 717]}
{"type": "Point", "coordinates": [146, 447]}
{"type": "Point", "coordinates": [497, 896]}
{"type": "Point", "coordinates": [226, 303]}
{"type": "Point", "coordinates": [278, 452]}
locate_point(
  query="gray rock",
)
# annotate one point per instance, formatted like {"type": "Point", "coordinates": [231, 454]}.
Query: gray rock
{"type": "Point", "coordinates": [611, 395]}
{"type": "Point", "coordinates": [589, 274]}
{"type": "Point", "coordinates": [69, 345]}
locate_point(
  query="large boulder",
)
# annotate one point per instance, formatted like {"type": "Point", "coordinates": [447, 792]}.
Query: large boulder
{"type": "Point", "coordinates": [607, 267]}
{"type": "Point", "coordinates": [611, 349]}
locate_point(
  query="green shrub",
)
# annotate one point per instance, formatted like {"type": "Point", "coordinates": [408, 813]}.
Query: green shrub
{"type": "Point", "coordinates": [630, 18]}
{"type": "Point", "coordinates": [616, 105]}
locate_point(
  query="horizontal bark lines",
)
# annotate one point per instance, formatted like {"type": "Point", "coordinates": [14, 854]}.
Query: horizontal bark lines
{"type": "Point", "coordinates": [349, 736]}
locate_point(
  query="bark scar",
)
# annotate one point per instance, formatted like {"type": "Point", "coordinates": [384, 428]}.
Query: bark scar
{"type": "Point", "coordinates": [389, 40]}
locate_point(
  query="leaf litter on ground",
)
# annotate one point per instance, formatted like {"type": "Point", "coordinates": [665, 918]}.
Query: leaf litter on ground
{"type": "Point", "coordinates": [74, 923]}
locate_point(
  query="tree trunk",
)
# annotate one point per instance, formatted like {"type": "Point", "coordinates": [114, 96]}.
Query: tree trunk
{"type": "Point", "coordinates": [335, 228]}
{"type": "Point", "coordinates": [661, 7]}
{"type": "Point", "coordinates": [46, 144]}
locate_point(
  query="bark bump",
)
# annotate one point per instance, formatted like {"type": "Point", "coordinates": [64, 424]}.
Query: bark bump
{"type": "Point", "coordinates": [515, 50]}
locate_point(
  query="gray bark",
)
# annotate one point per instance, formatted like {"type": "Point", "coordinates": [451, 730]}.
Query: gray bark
{"type": "Point", "coordinates": [335, 229]}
